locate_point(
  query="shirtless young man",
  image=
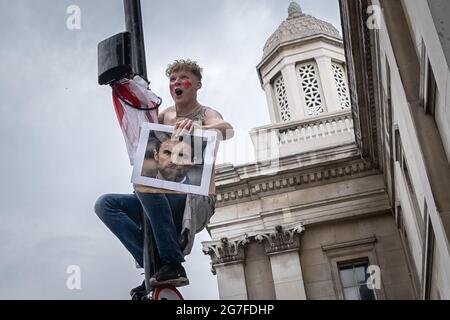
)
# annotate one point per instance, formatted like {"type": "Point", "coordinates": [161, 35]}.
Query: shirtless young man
{"type": "Point", "coordinates": [164, 208]}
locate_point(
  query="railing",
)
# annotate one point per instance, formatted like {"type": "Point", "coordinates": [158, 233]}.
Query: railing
{"type": "Point", "coordinates": [302, 136]}
{"type": "Point", "coordinates": [329, 125]}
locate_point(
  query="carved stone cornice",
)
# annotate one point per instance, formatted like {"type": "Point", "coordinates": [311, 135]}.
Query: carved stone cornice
{"type": "Point", "coordinates": [253, 188]}
{"type": "Point", "coordinates": [281, 239]}
{"type": "Point", "coordinates": [227, 173]}
{"type": "Point", "coordinates": [226, 250]}
{"type": "Point", "coordinates": [363, 76]}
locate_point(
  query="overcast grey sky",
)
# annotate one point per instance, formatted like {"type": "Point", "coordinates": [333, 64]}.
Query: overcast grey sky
{"type": "Point", "coordinates": [61, 145]}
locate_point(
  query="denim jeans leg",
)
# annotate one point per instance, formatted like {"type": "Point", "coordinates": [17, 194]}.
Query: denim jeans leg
{"type": "Point", "coordinates": [122, 214]}
{"type": "Point", "coordinates": [159, 212]}
{"type": "Point", "coordinates": [177, 203]}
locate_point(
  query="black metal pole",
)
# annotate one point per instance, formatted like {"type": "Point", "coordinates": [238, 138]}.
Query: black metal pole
{"type": "Point", "coordinates": [133, 21]}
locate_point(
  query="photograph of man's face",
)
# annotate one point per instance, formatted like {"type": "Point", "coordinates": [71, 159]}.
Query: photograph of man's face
{"type": "Point", "coordinates": [183, 163]}
{"type": "Point", "coordinates": [173, 159]}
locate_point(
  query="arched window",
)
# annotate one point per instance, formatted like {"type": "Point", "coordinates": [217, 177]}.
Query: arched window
{"type": "Point", "coordinates": [309, 82]}
{"type": "Point", "coordinates": [282, 100]}
{"type": "Point", "coordinates": [341, 85]}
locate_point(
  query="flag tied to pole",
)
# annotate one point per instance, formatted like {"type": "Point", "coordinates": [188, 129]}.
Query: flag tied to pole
{"type": "Point", "coordinates": [135, 104]}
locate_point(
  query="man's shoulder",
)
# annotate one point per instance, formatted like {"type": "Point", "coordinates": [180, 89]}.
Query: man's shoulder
{"type": "Point", "coordinates": [168, 110]}
{"type": "Point", "coordinates": [166, 114]}
{"type": "Point", "coordinates": [212, 113]}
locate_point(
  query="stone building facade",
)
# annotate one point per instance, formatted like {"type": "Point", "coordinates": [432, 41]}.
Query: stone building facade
{"type": "Point", "coordinates": [349, 195]}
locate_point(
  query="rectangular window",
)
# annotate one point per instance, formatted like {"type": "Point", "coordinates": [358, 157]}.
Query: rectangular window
{"type": "Point", "coordinates": [340, 81]}
{"type": "Point", "coordinates": [428, 87]}
{"type": "Point", "coordinates": [408, 177]}
{"type": "Point", "coordinates": [423, 70]}
{"type": "Point", "coordinates": [429, 256]}
{"type": "Point", "coordinates": [312, 91]}
{"type": "Point", "coordinates": [388, 113]}
{"type": "Point", "coordinates": [354, 281]}
{"type": "Point", "coordinates": [430, 100]}
{"type": "Point", "coordinates": [282, 100]}
{"type": "Point", "coordinates": [398, 146]}
{"type": "Point", "coordinates": [398, 216]}
{"type": "Point", "coordinates": [412, 194]}
{"type": "Point", "coordinates": [425, 214]}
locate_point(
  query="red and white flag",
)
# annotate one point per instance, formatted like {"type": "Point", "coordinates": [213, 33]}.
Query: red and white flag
{"type": "Point", "coordinates": [135, 104]}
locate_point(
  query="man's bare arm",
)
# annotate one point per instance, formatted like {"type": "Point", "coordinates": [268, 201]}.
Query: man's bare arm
{"type": "Point", "coordinates": [214, 121]}
{"type": "Point", "coordinates": [161, 117]}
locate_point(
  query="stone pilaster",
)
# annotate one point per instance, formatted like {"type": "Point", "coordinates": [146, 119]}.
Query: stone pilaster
{"type": "Point", "coordinates": [228, 257]}
{"type": "Point", "coordinates": [282, 245]}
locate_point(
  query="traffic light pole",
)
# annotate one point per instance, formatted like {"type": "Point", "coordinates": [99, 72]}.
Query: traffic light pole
{"type": "Point", "coordinates": [133, 21]}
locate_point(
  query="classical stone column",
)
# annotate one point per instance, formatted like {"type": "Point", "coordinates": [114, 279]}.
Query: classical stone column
{"type": "Point", "coordinates": [282, 246]}
{"type": "Point", "coordinates": [228, 256]}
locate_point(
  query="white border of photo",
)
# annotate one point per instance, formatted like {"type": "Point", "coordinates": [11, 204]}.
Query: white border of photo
{"type": "Point", "coordinates": [208, 159]}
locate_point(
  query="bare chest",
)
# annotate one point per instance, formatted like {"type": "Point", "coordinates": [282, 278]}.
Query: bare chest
{"type": "Point", "coordinates": [170, 117]}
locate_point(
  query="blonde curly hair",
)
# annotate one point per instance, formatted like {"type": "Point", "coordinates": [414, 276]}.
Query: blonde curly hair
{"type": "Point", "coordinates": [185, 65]}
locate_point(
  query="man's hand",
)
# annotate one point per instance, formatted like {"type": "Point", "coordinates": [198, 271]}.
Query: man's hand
{"type": "Point", "coordinates": [185, 127]}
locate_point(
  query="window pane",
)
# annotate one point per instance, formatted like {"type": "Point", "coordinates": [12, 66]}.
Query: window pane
{"type": "Point", "coordinates": [347, 277]}
{"type": "Point", "coordinates": [360, 274]}
{"type": "Point", "coordinates": [351, 293]}
{"type": "Point", "coordinates": [366, 293]}
{"type": "Point", "coordinates": [309, 82]}
{"type": "Point", "coordinates": [341, 85]}
{"type": "Point", "coordinates": [280, 89]}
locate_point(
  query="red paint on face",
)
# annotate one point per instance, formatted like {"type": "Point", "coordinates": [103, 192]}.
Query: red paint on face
{"type": "Point", "coordinates": [186, 84]}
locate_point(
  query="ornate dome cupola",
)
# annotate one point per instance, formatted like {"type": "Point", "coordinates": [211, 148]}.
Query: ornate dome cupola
{"type": "Point", "coordinates": [297, 26]}
{"type": "Point", "coordinates": [302, 68]}
{"type": "Point", "coordinates": [302, 72]}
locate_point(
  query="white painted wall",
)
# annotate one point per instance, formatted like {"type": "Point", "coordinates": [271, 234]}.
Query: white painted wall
{"type": "Point", "coordinates": [422, 25]}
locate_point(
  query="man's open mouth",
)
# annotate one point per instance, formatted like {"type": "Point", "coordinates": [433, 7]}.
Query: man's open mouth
{"type": "Point", "coordinates": [178, 91]}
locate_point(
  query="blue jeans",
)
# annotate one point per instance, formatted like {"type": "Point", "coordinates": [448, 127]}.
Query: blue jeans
{"type": "Point", "coordinates": [122, 214]}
